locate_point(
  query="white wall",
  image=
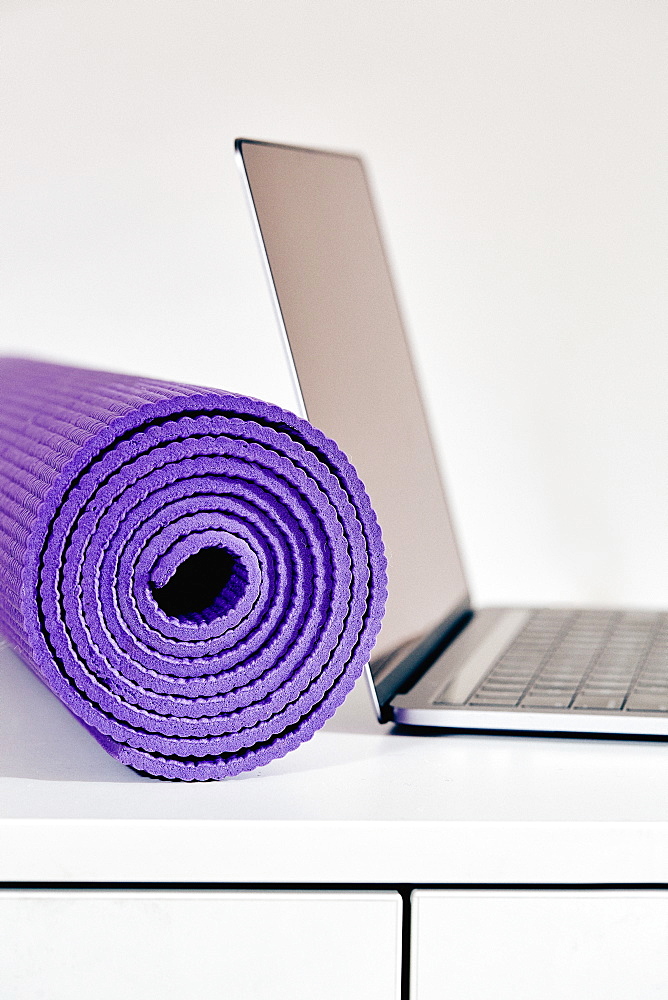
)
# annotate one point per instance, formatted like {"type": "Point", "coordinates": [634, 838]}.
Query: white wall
{"type": "Point", "coordinates": [519, 153]}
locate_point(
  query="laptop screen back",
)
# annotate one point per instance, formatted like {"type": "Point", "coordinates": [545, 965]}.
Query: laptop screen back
{"type": "Point", "coordinates": [339, 311]}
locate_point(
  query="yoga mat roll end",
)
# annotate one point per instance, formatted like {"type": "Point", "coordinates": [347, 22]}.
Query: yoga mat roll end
{"type": "Point", "coordinates": [198, 576]}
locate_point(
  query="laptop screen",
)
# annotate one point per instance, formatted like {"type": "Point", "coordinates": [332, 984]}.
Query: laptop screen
{"type": "Point", "coordinates": [339, 311]}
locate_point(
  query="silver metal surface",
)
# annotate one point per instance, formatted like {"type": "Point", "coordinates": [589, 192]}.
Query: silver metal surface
{"type": "Point", "coordinates": [535, 720]}
{"type": "Point", "coordinates": [352, 368]}
{"type": "Point", "coordinates": [465, 661]}
{"type": "Point", "coordinates": [285, 343]}
{"type": "Point", "coordinates": [549, 669]}
{"type": "Point", "coordinates": [338, 308]}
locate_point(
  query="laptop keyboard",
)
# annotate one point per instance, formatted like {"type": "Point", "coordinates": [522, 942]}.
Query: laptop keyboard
{"type": "Point", "coordinates": [582, 660]}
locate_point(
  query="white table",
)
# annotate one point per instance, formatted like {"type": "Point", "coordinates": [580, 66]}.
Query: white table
{"type": "Point", "coordinates": [360, 808]}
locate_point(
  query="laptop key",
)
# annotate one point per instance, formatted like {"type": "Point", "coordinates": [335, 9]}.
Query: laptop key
{"type": "Point", "coordinates": [643, 702]}
{"type": "Point", "coordinates": [598, 702]}
{"type": "Point", "coordinates": [547, 700]}
{"type": "Point", "coordinates": [492, 700]}
{"type": "Point", "coordinates": [568, 684]}
{"type": "Point", "coordinates": [607, 687]}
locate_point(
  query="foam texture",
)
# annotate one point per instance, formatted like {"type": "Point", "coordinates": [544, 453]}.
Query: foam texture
{"type": "Point", "coordinates": [197, 575]}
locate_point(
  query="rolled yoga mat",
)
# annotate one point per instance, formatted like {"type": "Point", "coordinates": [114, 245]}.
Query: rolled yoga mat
{"type": "Point", "coordinates": [197, 575]}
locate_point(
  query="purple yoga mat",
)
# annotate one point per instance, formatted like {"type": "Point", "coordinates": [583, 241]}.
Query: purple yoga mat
{"type": "Point", "coordinates": [198, 576]}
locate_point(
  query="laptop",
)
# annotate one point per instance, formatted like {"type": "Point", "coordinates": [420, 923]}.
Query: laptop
{"type": "Point", "coordinates": [439, 662]}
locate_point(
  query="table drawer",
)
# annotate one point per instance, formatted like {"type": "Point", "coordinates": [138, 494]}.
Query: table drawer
{"type": "Point", "coordinates": [520, 945]}
{"type": "Point", "coordinates": [166, 945]}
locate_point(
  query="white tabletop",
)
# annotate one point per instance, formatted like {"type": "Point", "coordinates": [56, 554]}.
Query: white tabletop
{"type": "Point", "coordinates": [359, 803]}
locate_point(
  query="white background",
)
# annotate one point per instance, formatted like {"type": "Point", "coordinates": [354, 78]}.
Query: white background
{"type": "Point", "coordinates": [519, 157]}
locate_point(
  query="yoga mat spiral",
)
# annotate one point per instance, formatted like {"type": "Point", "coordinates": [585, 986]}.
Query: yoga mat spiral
{"type": "Point", "coordinates": [197, 575]}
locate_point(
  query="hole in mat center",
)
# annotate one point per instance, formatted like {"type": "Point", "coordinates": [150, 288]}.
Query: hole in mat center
{"type": "Point", "coordinates": [205, 586]}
